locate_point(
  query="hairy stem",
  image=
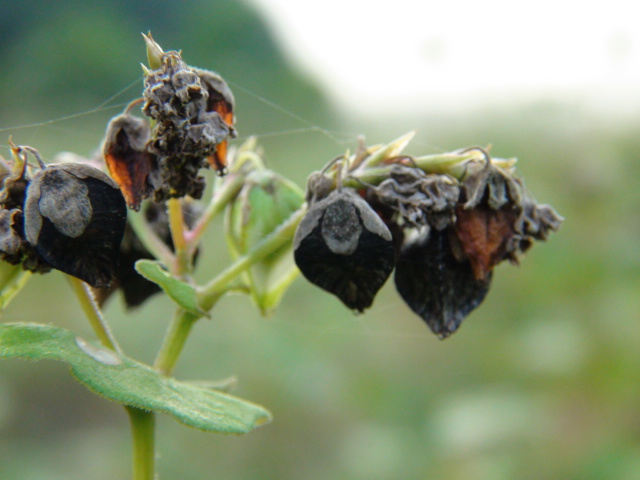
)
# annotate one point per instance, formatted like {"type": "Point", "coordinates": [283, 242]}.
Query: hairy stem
{"type": "Point", "coordinates": [93, 314]}
{"type": "Point", "coordinates": [174, 341]}
{"type": "Point", "coordinates": [143, 426]}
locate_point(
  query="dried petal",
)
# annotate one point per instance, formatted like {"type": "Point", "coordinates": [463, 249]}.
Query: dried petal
{"type": "Point", "coordinates": [486, 236]}
{"type": "Point", "coordinates": [128, 161]}
{"type": "Point", "coordinates": [418, 198]}
{"type": "Point", "coordinates": [435, 285]}
{"type": "Point", "coordinates": [342, 246]}
{"type": "Point", "coordinates": [75, 217]}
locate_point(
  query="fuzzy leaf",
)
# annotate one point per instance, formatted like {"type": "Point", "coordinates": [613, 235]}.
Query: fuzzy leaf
{"type": "Point", "coordinates": [182, 293]}
{"type": "Point", "coordinates": [123, 380]}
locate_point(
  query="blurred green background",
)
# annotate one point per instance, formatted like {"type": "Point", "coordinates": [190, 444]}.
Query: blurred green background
{"type": "Point", "coordinates": [541, 382]}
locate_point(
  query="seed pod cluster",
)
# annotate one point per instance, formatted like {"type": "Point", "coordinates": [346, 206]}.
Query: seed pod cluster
{"type": "Point", "coordinates": [193, 116]}
{"type": "Point", "coordinates": [448, 235]}
{"type": "Point", "coordinates": [70, 217]}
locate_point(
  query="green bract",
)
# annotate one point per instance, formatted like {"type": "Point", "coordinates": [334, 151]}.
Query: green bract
{"type": "Point", "coordinates": [265, 202]}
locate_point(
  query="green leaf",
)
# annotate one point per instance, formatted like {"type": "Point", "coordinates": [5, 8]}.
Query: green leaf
{"type": "Point", "coordinates": [182, 293]}
{"type": "Point", "coordinates": [123, 380]}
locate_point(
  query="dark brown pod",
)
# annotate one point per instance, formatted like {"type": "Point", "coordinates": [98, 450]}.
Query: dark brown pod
{"type": "Point", "coordinates": [435, 285]}
{"type": "Point", "coordinates": [75, 217]}
{"type": "Point", "coordinates": [342, 246]}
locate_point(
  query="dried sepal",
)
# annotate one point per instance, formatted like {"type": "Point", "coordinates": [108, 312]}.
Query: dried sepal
{"type": "Point", "coordinates": [437, 286]}
{"type": "Point", "coordinates": [127, 158]}
{"type": "Point", "coordinates": [342, 246]}
{"type": "Point", "coordinates": [74, 217]}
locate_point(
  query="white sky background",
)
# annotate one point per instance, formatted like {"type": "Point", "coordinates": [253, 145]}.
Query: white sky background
{"type": "Point", "coordinates": [372, 56]}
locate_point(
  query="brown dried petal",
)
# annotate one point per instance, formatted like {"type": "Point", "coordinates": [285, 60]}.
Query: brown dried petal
{"type": "Point", "coordinates": [128, 161]}
{"type": "Point", "coordinates": [485, 236]}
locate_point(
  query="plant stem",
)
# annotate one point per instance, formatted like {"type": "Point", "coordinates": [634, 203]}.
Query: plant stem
{"type": "Point", "coordinates": [210, 293]}
{"type": "Point", "coordinates": [182, 264]}
{"type": "Point", "coordinates": [222, 196]}
{"type": "Point", "coordinates": [150, 240]}
{"type": "Point", "coordinates": [174, 341]}
{"type": "Point", "coordinates": [93, 314]}
{"type": "Point", "coordinates": [143, 426]}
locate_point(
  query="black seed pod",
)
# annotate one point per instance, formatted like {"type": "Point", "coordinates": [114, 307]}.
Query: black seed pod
{"type": "Point", "coordinates": [75, 217]}
{"type": "Point", "coordinates": [342, 246]}
{"type": "Point", "coordinates": [435, 285]}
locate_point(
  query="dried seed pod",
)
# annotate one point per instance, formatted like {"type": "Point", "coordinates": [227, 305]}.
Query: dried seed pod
{"type": "Point", "coordinates": [75, 216]}
{"type": "Point", "coordinates": [342, 246]}
{"type": "Point", "coordinates": [435, 285]}
{"type": "Point", "coordinates": [128, 161]}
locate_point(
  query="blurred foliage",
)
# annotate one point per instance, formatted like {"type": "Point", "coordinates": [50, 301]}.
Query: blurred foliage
{"type": "Point", "coordinates": [541, 382]}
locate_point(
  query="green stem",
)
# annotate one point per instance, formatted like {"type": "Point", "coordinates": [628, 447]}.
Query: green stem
{"type": "Point", "coordinates": [210, 293]}
{"type": "Point", "coordinates": [174, 341]}
{"type": "Point", "coordinates": [143, 426]}
{"type": "Point", "coordinates": [182, 264]}
{"type": "Point", "coordinates": [93, 314]}
{"type": "Point", "coordinates": [227, 191]}
{"type": "Point", "coordinates": [150, 240]}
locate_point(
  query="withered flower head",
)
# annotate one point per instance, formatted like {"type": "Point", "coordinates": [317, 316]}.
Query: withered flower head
{"type": "Point", "coordinates": [193, 113]}
{"type": "Point", "coordinates": [342, 246]}
{"type": "Point", "coordinates": [450, 227]}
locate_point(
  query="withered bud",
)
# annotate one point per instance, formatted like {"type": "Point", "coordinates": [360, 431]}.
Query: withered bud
{"type": "Point", "coordinates": [127, 158]}
{"type": "Point", "coordinates": [74, 217]}
{"type": "Point", "coordinates": [342, 246]}
{"type": "Point", "coordinates": [435, 284]}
